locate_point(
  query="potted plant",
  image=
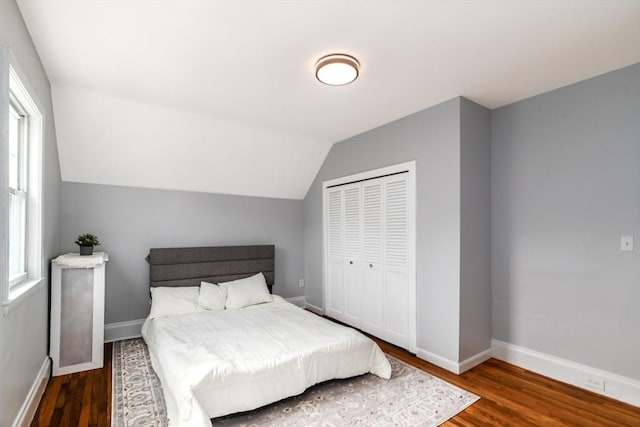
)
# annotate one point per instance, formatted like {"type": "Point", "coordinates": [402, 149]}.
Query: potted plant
{"type": "Point", "coordinates": [86, 242]}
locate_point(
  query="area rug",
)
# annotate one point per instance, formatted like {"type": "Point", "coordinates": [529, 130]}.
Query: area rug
{"type": "Point", "coordinates": [410, 398]}
{"type": "Point", "coordinates": [136, 397]}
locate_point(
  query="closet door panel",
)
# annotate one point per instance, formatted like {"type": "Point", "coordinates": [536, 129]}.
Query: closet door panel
{"type": "Point", "coordinates": [352, 252]}
{"type": "Point", "coordinates": [396, 263]}
{"type": "Point", "coordinates": [335, 254]}
{"type": "Point", "coordinates": [372, 280]}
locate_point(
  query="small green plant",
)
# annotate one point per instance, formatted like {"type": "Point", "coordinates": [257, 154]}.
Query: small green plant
{"type": "Point", "coordinates": [87, 239]}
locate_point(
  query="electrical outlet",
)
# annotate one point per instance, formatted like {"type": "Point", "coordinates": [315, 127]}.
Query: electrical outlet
{"type": "Point", "coordinates": [302, 283]}
{"type": "Point", "coordinates": [595, 382]}
{"type": "Point", "coordinates": [626, 243]}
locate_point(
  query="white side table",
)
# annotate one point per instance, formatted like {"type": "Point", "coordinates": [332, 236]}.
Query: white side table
{"type": "Point", "coordinates": [77, 312]}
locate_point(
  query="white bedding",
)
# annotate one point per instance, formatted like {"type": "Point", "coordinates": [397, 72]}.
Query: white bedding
{"type": "Point", "coordinates": [217, 363]}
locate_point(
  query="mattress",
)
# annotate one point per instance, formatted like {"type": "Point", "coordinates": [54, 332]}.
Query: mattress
{"type": "Point", "coordinates": [212, 364]}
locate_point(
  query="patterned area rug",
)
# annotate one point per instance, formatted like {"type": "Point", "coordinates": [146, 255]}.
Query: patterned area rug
{"type": "Point", "coordinates": [137, 398]}
{"type": "Point", "coordinates": [410, 398]}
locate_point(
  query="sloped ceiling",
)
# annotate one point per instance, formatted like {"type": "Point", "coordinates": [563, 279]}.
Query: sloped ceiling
{"type": "Point", "coordinates": [220, 96]}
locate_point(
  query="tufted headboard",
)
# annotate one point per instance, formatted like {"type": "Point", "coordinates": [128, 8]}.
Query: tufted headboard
{"type": "Point", "coordinates": [190, 266]}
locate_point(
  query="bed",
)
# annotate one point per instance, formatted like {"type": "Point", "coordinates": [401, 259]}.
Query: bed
{"type": "Point", "coordinates": [215, 362]}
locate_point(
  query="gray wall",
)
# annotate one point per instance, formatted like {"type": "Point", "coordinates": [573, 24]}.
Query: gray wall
{"type": "Point", "coordinates": [475, 229]}
{"type": "Point", "coordinates": [24, 331]}
{"type": "Point", "coordinates": [129, 221]}
{"type": "Point", "coordinates": [432, 138]}
{"type": "Point", "coordinates": [566, 186]}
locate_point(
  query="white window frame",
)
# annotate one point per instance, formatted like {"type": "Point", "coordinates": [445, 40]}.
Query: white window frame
{"type": "Point", "coordinates": [15, 89]}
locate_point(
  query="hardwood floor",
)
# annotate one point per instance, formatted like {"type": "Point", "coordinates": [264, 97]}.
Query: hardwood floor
{"type": "Point", "coordinates": [81, 399]}
{"type": "Point", "coordinates": [511, 396]}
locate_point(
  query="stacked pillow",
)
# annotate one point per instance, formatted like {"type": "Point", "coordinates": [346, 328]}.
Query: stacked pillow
{"type": "Point", "coordinates": [167, 302]}
{"type": "Point", "coordinates": [212, 297]}
{"type": "Point", "coordinates": [245, 292]}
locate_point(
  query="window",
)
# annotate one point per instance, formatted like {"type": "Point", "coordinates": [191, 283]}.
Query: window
{"type": "Point", "coordinates": [21, 158]}
{"type": "Point", "coordinates": [18, 190]}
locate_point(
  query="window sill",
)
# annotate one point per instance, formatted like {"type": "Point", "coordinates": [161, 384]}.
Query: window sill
{"type": "Point", "coordinates": [20, 293]}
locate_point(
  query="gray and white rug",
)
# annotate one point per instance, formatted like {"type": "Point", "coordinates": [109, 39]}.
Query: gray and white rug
{"type": "Point", "coordinates": [410, 398]}
{"type": "Point", "coordinates": [136, 398]}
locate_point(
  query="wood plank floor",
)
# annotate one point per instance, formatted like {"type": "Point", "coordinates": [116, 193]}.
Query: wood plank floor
{"type": "Point", "coordinates": [511, 396]}
{"type": "Point", "coordinates": [81, 399]}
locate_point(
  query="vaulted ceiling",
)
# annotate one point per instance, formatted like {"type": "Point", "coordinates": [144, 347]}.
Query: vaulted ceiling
{"type": "Point", "coordinates": [220, 96]}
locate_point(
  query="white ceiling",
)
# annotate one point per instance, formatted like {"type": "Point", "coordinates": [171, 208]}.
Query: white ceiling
{"type": "Point", "coordinates": [220, 96]}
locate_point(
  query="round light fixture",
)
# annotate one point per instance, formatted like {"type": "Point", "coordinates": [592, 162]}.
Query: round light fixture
{"type": "Point", "coordinates": [337, 69]}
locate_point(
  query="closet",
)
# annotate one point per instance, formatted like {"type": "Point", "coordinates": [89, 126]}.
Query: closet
{"type": "Point", "coordinates": [369, 259]}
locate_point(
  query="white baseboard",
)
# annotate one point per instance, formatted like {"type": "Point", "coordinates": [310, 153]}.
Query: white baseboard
{"type": "Point", "coordinates": [30, 405]}
{"type": "Point", "coordinates": [314, 308]}
{"type": "Point", "coordinates": [451, 365]}
{"type": "Point", "coordinates": [475, 360]}
{"type": "Point", "coordinates": [440, 361]}
{"type": "Point", "coordinates": [615, 386]}
{"type": "Point", "coordinates": [299, 301]}
{"type": "Point", "coordinates": [123, 330]}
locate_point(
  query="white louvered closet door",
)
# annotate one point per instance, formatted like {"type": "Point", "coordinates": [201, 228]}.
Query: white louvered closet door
{"type": "Point", "coordinates": [373, 310]}
{"type": "Point", "coordinates": [335, 254]}
{"type": "Point", "coordinates": [396, 261]}
{"type": "Point", "coordinates": [352, 252]}
{"type": "Point", "coordinates": [370, 253]}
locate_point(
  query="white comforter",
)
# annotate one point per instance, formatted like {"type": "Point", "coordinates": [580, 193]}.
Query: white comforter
{"type": "Point", "coordinates": [217, 363]}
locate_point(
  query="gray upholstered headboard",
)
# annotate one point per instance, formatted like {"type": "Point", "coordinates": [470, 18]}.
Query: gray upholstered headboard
{"type": "Point", "coordinates": [190, 266]}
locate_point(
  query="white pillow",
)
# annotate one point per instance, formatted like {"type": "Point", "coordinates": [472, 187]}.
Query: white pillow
{"type": "Point", "coordinates": [245, 292]}
{"type": "Point", "coordinates": [212, 296]}
{"type": "Point", "coordinates": [166, 302]}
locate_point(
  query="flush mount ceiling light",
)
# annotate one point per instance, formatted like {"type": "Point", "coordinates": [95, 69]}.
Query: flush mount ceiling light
{"type": "Point", "coordinates": [337, 69]}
